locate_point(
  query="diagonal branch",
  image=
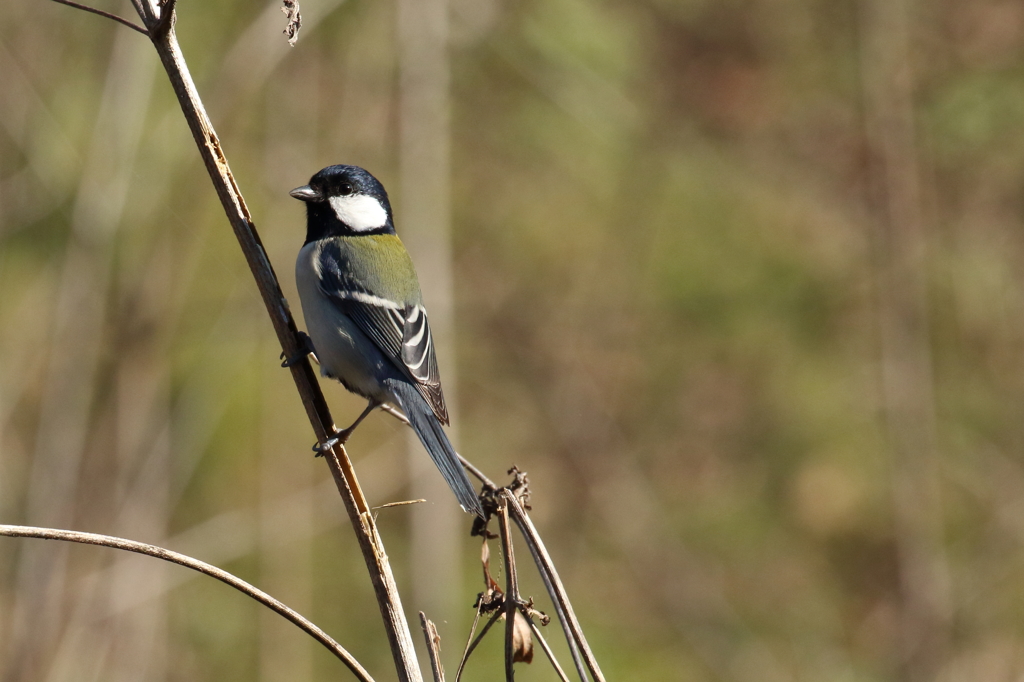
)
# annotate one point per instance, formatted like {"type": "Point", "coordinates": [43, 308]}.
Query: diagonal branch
{"type": "Point", "coordinates": [473, 644]}
{"type": "Point", "coordinates": [196, 565]}
{"type": "Point", "coordinates": [472, 468]}
{"type": "Point", "coordinates": [137, 4]}
{"type": "Point", "coordinates": [544, 644]}
{"type": "Point", "coordinates": [370, 543]}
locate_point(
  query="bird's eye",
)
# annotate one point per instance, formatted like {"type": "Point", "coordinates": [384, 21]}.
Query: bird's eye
{"type": "Point", "coordinates": [344, 189]}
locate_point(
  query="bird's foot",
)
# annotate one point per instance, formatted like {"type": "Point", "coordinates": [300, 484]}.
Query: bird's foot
{"type": "Point", "coordinates": [339, 438]}
{"type": "Point", "coordinates": [305, 348]}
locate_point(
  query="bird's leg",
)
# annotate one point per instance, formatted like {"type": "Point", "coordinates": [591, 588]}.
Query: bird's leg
{"type": "Point", "coordinates": [305, 348]}
{"type": "Point", "coordinates": [396, 413]}
{"type": "Point", "coordinates": [343, 435]}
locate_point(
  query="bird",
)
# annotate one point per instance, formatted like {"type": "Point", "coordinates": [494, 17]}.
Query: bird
{"type": "Point", "coordinates": [364, 313]}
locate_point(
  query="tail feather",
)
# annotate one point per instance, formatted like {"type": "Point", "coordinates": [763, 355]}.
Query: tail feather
{"type": "Point", "coordinates": [433, 437]}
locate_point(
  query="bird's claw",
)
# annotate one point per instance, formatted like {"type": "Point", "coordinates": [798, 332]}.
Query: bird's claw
{"type": "Point", "coordinates": [339, 438]}
{"type": "Point", "coordinates": [305, 348]}
{"type": "Point", "coordinates": [322, 449]}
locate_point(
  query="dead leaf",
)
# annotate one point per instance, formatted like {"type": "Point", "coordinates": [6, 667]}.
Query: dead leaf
{"type": "Point", "coordinates": [522, 640]}
{"type": "Point", "coordinates": [291, 10]}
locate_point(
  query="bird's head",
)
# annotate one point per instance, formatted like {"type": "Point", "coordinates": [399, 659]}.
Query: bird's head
{"type": "Point", "coordinates": [344, 200]}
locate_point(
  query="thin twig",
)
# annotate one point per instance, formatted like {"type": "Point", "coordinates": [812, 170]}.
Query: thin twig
{"type": "Point", "coordinates": [547, 568]}
{"type": "Point", "coordinates": [469, 649]}
{"type": "Point", "coordinates": [898, 195]}
{"type": "Point", "coordinates": [146, 11]}
{"type": "Point", "coordinates": [511, 590]}
{"type": "Point", "coordinates": [196, 565]}
{"type": "Point", "coordinates": [471, 468]}
{"type": "Point", "coordinates": [433, 647]}
{"type": "Point", "coordinates": [543, 644]}
{"type": "Point", "coordinates": [469, 640]}
{"type": "Point", "coordinates": [137, 4]}
{"type": "Point", "coordinates": [396, 413]}
{"type": "Point", "coordinates": [108, 15]}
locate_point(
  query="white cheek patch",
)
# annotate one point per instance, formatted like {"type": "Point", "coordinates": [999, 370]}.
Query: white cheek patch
{"type": "Point", "coordinates": [360, 212]}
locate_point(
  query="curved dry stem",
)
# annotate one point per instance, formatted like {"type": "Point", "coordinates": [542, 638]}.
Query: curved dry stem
{"type": "Point", "coordinates": [472, 468]}
{"type": "Point", "coordinates": [202, 567]}
{"type": "Point", "coordinates": [108, 15]}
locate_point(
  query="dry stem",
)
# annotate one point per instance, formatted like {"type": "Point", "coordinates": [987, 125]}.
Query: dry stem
{"type": "Point", "coordinates": [511, 589]}
{"type": "Point", "coordinates": [196, 565]}
{"type": "Point", "coordinates": [433, 647]}
{"type": "Point", "coordinates": [121, 20]}
{"type": "Point", "coordinates": [544, 645]}
{"type": "Point", "coordinates": [546, 567]}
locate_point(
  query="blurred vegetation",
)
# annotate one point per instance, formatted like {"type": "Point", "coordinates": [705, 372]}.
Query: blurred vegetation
{"type": "Point", "coordinates": [664, 310]}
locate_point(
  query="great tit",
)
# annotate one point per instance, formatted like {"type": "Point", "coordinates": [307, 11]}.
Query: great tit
{"type": "Point", "coordinates": [365, 315]}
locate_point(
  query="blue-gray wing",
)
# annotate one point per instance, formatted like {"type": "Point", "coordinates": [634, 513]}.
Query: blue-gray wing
{"type": "Point", "coordinates": [400, 330]}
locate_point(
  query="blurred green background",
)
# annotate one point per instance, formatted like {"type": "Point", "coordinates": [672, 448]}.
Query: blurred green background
{"type": "Point", "coordinates": [737, 282]}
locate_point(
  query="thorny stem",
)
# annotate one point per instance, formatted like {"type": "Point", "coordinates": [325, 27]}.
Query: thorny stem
{"type": "Point", "coordinates": [196, 565]}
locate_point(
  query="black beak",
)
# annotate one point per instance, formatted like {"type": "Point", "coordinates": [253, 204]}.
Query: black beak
{"type": "Point", "coordinates": [306, 193]}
